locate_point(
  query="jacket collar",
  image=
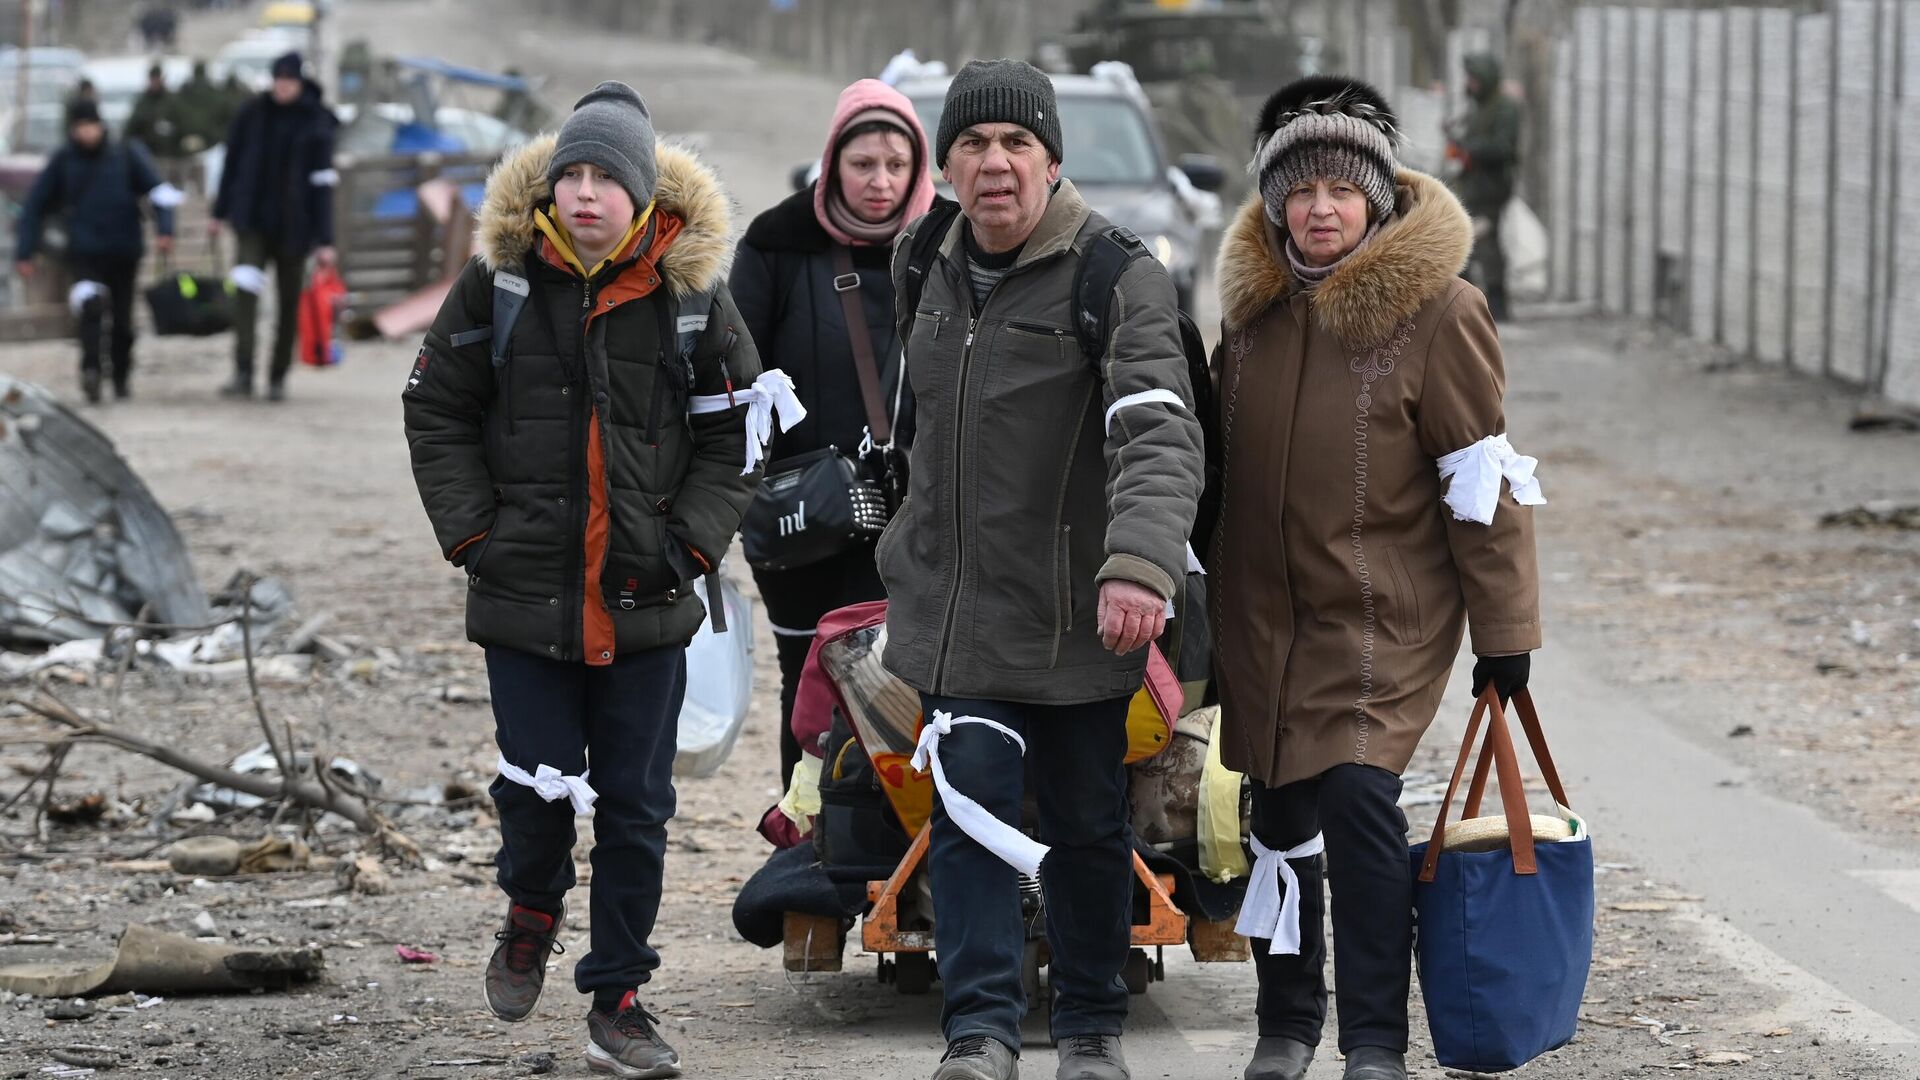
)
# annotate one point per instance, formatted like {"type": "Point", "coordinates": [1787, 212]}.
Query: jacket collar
{"type": "Point", "coordinates": [693, 259]}
{"type": "Point", "coordinates": [1414, 258]}
{"type": "Point", "coordinates": [1059, 225]}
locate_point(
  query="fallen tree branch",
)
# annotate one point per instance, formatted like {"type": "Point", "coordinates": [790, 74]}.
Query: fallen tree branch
{"type": "Point", "coordinates": [302, 790]}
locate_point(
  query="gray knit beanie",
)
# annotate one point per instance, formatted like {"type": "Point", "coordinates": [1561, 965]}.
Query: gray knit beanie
{"type": "Point", "coordinates": [999, 92]}
{"type": "Point", "coordinates": [611, 128]}
{"type": "Point", "coordinates": [1326, 127]}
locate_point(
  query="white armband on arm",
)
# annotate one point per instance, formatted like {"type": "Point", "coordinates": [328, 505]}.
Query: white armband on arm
{"type": "Point", "coordinates": [1475, 474]}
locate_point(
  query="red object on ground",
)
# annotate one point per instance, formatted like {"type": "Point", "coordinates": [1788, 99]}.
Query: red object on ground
{"type": "Point", "coordinates": [410, 955]}
{"type": "Point", "coordinates": [318, 302]}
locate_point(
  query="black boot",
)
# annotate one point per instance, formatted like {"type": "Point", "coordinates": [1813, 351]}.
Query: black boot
{"type": "Point", "coordinates": [90, 385]}
{"type": "Point", "coordinates": [1277, 1058]}
{"type": "Point", "coordinates": [240, 386]}
{"type": "Point", "coordinates": [1376, 1063]}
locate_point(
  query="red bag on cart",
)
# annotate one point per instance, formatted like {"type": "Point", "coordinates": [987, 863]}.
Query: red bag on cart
{"type": "Point", "coordinates": [319, 306]}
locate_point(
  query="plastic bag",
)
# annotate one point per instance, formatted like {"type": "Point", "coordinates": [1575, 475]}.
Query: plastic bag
{"type": "Point", "coordinates": [719, 686]}
{"type": "Point", "coordinates": [1222, 858]}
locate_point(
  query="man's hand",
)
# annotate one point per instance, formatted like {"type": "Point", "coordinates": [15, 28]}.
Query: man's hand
{"type": "Point", "coordinates": [163, 244]}
{"type": "Point", "coordinates": [23, 270]}
{"type": "Point", "coordinates": [325, 255]}
{"type": "Point", "coordinates": [1130, 615]}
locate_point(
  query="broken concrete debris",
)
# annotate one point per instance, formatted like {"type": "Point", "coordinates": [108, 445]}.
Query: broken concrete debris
{"type": "Point", "coordinates": [83, 543]}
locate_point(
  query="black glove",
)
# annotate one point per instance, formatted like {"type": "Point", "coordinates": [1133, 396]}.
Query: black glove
{"type": "Point", "coordinates": [1507, 673]}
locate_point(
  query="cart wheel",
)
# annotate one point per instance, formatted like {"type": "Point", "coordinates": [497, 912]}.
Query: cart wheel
{"type": "Point", "coordinates": [1037, 992]}
{"type": "Point", "coordinates": [913, 972]}
{"type": "Point", "coordinates": [1138, 972]}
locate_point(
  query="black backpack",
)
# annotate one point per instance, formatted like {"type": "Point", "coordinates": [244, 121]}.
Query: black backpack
{"type": "Point", "coordinates": [1106, 258]}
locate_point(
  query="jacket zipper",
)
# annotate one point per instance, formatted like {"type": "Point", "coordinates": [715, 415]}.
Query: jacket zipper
{"type": "Point", "coordinates": [582, 500]}
{"type": "Point", "coordinates": [959, 512]}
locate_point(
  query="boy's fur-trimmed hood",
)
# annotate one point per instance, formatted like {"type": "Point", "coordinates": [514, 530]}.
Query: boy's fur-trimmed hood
{"type": "Point", "coordinates": [696, 262]}
{"type": "Point", "coordinates": [1412, 259]}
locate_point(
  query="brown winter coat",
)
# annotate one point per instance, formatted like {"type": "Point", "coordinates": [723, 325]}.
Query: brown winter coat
{"type": "Point", "coordinates": [1340, 580]}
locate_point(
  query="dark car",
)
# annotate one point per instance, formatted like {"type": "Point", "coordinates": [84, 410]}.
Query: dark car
{"type": "Point", "coordinates": [1115, 156]}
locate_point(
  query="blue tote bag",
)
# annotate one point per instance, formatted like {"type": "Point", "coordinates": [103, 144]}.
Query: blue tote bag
{"type": "Point", "coordinates": [1504, 909]}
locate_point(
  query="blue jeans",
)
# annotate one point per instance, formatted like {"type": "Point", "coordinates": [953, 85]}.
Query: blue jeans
{"type": "Point", "coordinates": [622, 721]}
{"type": "Point", "coordinates": [1075, 755]}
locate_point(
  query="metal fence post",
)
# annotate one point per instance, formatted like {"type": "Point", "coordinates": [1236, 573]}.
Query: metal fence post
{"type": "Point", "coordinates": [1793, 186]}
{"type": "Point", "coordinates": [1720, 176]}
{"type": "Point", "coordinates": [1629, 256]}
{"type": "Point", "coordinates": [1867, 363]}
{"type": "Point", "coordinates": [1658, 209]}
{"type": "Point", "coordinates": [1693, 158]}
{"type": "Point", "coordinates": [1753, 188]}
{"type": "Point", "coordinates": [1833, 178]}
{"type": "Point", "coordinates": [1893, 194]}
{"type": "Point", "coordinates": [1576, 94]}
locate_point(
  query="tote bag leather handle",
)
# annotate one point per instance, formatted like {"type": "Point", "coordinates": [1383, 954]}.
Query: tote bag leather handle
{"type": "Point", "coordinates": [1512, 796]}
{"type": "Point", "coordinates": [1537, 740]}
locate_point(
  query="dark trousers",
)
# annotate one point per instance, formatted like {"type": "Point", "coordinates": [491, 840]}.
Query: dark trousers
{"type": "Point", "coordinates": [1356, 806]}
{"type": "Point", "coordinates": [109, 316]}
{"type": "Point", "coordinates": [1074, 754]}
{"type": "Point", "coordinates": [620, 721]}
{"type": "Point", "coordinates": [796, 600]}
{"type": "Point", "coordinates": [289, 277]}
{"type": "Point", "coordinates": [1492, 257]}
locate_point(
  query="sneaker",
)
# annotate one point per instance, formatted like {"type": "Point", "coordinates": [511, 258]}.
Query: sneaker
{"type": "Point", "coordinates": [1375, 1063]}
{"type": "Point", "coordinates": [627, 1044]}
{"type": "Point", "coordinates": [237, 387]}
{"type": "Point", "coordinates": [978, 1057]}
{"type": "Point", "coordinates": [1092, 1057]}
{"type": "Point", "coordinates": [518, 968]}
{"type": "Point", "coordinates": [1277, 1058]}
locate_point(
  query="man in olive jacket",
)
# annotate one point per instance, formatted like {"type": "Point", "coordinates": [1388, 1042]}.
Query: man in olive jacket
{"type": "Point", "coordinates": [1032, 563]}
{"type": "Point", "coordinates": [584, 464]}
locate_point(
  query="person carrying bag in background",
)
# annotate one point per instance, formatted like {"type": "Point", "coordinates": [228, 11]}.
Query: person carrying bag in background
{"type": "Point", "coordinates": [813, 286]}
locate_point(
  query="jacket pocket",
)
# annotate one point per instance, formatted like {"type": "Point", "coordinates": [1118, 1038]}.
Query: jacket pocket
{"type": "Point", "coordinates": [1406, 602]}
{"type": "Point", "coordinates": [1062, 589]}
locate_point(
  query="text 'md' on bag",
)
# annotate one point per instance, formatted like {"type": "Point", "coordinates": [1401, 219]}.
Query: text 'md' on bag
{"type": "Point", "coordinates": [1504, 909]}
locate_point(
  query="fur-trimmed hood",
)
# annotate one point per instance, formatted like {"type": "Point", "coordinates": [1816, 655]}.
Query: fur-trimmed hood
{"type": "Point", "coordinates": [699, 257]}
{"type": "Point", "coordinates": [1412, 259]}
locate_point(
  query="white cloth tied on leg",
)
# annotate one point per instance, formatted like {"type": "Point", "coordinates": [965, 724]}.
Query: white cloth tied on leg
{"type": "Point", "coordinates": [82, 292]}
{"type": "Point", "coordinates": [770, 395]}
{"type": "Point", "coordinates": [248, 278]}
{"type": "Point", "coordinates": [1008, 844]}
{"type": "Point", "coordinates": [1476, 473]}
{"type": "Point", "coordinates": [550, 784]}
{"type": "Point", "coordinates": [1267, 914]}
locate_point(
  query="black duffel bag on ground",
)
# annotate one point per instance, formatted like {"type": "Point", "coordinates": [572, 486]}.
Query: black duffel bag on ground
{"type": "Point", "coordinates": [193, 304]}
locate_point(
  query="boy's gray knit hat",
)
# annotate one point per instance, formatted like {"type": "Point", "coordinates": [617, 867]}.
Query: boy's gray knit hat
{"type": "Point", "coordinates": [999, 92]}
{"type": "Point", "coordinates": [610, 127]}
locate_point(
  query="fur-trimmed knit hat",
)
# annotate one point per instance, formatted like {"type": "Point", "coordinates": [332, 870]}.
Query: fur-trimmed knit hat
{"type": "Point", "coordinates": [1326, 126]}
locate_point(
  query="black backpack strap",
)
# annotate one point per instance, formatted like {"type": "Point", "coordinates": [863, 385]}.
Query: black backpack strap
{"type": "Point", "coordinates": [1107, 257]}
{"type": "Point", "coordinates": [924, 248]}
{"type": "Point", "coordinates": [509, 298]}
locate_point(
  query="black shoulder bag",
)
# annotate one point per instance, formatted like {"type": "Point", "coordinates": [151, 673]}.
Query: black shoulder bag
{"type": "Point", "coordinates": [814, 506]}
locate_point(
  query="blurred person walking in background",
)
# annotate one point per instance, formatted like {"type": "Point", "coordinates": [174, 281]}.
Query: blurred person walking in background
{"type": "Point", "coordinates": [1485, 146]}
{"type": "Point", "coordinates": [94, 185]}
{"type": "Point", "coordinates": [276, 192]}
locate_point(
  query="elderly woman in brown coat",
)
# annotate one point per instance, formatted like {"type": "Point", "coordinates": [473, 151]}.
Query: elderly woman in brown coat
{"type": "Point", "coordinates": [1372, 508]}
